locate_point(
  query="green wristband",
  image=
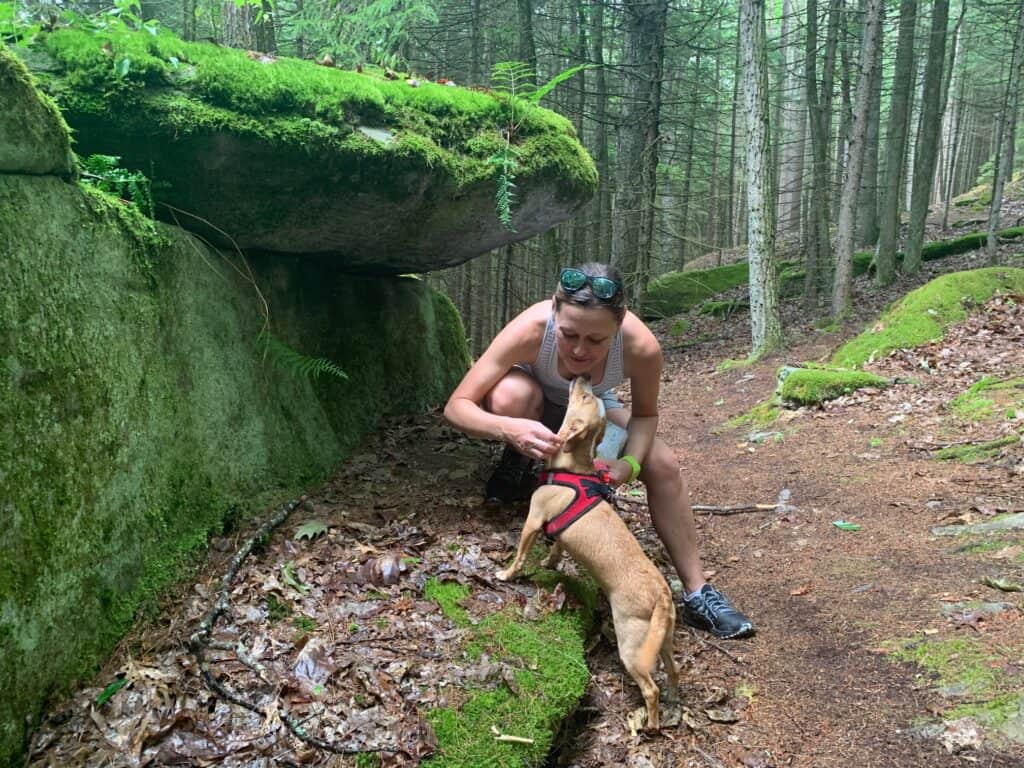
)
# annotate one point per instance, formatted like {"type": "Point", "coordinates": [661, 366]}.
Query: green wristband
{"type": "Point", "coordinates": [631, 460]}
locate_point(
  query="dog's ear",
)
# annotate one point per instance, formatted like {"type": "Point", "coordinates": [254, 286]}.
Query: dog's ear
{"type": "Point", "coordinates": [571, 432]}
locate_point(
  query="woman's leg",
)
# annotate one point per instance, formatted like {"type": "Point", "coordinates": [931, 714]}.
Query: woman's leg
{"type": "Point", "coordinates": [517, 394]}
{"type": "Point", "coordinates": [668, 499]}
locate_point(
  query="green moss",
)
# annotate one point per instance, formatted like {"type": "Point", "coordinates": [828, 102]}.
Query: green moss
{"type": "Point", "coordinates": [922, 314]}
{"type": "Point", "coordinates": [1000, 395]}
{"type": "Point", "coordinates": [549, 678]}
{"type": "Point", "coordinates": [138, 415]}
{"type": "Point", "coordinates": [679, 328]}
{"type": "Point", "coordinates": [809, 386]}
{"type": "Point", "coordinates": [957, 660]}
{"type": "Point", "coordinates": [723, 308]}
{"type": "Point", "coordinates": [447, 594]}
{"type": "Point", "coordinates": [677, 292]}
{"type": "Point", "coordinates": [196, 88]}
{"type": "Point", "coordinates": [761, 415]}
{"type": "Point", "coordinates": [975, 452]}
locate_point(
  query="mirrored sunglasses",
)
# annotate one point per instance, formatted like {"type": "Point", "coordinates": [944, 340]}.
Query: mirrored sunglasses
{"type": "Point", "coordinates": [603, 288]}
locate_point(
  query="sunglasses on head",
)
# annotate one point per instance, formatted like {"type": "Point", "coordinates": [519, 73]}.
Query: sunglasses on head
{"type": "Point", "coordinates": [603, 288]}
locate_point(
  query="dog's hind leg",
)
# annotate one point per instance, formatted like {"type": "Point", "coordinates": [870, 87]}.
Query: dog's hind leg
{"type": "Point", "coordinates": [638, 650]}
{"type": "Point", "coordinates": [667, 652]}
{"type": "Point", "coordinates": [553, 556]}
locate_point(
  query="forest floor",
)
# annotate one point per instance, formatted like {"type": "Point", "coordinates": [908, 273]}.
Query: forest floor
{"type": "Point", "coordinates": [897, 644]}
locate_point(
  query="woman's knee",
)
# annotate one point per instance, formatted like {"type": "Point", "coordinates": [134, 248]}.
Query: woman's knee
{"type": "Point", "coordinates": [517, 394]}
{"type": "Point", "coordinates": [661, 467]}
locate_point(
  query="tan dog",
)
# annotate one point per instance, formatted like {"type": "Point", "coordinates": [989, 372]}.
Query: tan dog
{"type": "Point", "coordinates": [641, 601]}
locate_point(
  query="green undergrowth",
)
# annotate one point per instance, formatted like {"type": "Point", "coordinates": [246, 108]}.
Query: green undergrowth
{"type": "Point", "coordinates": [676, 292]}
{"type": "Point", "coordinates": [550, 675]}
{"type": "Point", "coordinates": [973, 672]}
{"type": "Point", "coordinates": [989, 398]}
{"type": "Point", "coordinates": [922, 315]}
{"type": "Point", "coordinates": [198, 87]}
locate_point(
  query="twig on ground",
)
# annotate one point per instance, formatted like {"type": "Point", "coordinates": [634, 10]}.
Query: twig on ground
{"type": "Point", "coordinates": [716, 646]}
{"type": "Point", "coordinates": [707, 509]}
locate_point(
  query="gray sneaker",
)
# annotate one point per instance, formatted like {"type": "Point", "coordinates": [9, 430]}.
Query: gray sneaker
{"type": "Point", "coordinates": [710, 610]}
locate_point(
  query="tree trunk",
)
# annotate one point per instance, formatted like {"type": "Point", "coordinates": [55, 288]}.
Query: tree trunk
{"type": "Point", "coordinates": [684, 217]}
{"type": "Point", "coordinates": [867, 200]}
{"type": "Point", "coordinates": [188, 20]}
{"type": "Point", "coordinates": [730, 207]}
{"type": "Point", "coordinates": [792, 149]}
{"type": "Point", "coordinates": [1003, 166]}
{"type": "Point", "coordinates": [953, 124]}
{"type": "Point", "coordinates": [820, 255]}
{"type": "Point", "coordinates": [841, 287]}
{"type": "Point", "coordinates": [637, 157]}
{"type": "Point", "coordinates": [895, 145]}
{"type": "Point", "coordinates": [242, 30]}
{"type": "Point", "coordinates": [765, 323]}
{"type": "Point", "coordinates": [527, 44]}
{"type": "Point", "coordinates": [928, 138]}
{"type": "Point", "coordinates": [602, 213]}
{"type": "Point", "coordinates": [713, 187]}
{"type": "Point", "coordinates": [475, 71]}
{"type": "Point", "coordinates": [845, 112]}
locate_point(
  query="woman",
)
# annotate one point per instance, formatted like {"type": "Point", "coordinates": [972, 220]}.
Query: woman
{"type": "Point", "coordinates": [517, 391]}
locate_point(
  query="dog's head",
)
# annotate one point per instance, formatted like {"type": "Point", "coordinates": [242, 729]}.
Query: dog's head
{"type": "Point", "coordinates": [583, 426]}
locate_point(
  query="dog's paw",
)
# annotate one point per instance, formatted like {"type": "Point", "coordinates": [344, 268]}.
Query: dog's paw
{"type": "Point", "coordinates": [504, 575]}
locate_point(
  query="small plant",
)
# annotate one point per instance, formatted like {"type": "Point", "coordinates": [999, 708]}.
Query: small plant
{"type": "Point", "coordinates": [105, 173]}
{"type": "Point", "coordinates": [295, 363]}
{"type": "Point", "coordinates": [516, 81]}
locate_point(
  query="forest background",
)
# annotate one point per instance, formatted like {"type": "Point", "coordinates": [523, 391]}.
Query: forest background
{"type": "Point", "coordinates": [721, 129]}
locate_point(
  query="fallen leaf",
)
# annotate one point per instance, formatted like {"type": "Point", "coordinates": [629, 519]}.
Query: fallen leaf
{"type": "Point", "coordinates": [801, 590]}
{"type": "Point", "coordinates": [310, 529]}
{"type": "Point", "coordinates": [721, 715]}
{"type": "Point", "coordinates": [843, 525]}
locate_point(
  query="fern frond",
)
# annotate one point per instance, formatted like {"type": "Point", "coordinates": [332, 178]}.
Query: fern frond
{"type": "Point", "coordinates": [295, 363]}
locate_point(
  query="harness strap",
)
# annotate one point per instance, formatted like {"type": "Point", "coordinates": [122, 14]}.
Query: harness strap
{"type": "Point", "coordinates": [589, 490]}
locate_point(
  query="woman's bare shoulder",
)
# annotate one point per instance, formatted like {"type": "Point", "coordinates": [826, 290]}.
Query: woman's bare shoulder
{"type": "Point", "coordinates": [525, 331]}
{"type": "Point", "coordinates": [638, 340]}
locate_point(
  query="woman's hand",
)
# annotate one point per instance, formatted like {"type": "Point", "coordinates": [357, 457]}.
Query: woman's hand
{"type": "Point", "coordinates": [531, 438]}
{"type": "Point", "coordinates": [618, 471]}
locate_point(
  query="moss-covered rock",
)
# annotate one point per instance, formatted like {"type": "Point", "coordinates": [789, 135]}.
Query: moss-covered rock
{"type": "Point", "coordinates": [137, 408]}
{"type": "Point", "coordinates": [676, 292]}
{"type": "Point", "coordinates": [33, 137]}
{"type": "Point", "coordinates": [922, 314]}
{"type": "Point", "coordinates": [283, 155]}
{"type": "Point", "coordinates": [813, 386]}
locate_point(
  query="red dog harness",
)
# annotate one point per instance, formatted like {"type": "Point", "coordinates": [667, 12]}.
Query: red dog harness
{"type": "Point", "coordinates": [589, 490]}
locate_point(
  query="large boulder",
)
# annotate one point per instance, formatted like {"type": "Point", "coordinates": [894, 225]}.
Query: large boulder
{"type": "Point", "coordinates": [33, 137]}
{"type": "Point", "coordinates": [281, 155]}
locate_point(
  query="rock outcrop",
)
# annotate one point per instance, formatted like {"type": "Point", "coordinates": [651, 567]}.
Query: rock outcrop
{"type": "Point", "coordinates": [280, 155]}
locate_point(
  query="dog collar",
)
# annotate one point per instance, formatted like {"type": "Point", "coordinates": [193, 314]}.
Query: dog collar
{"type": "Point", "coordinates": [589, 490]}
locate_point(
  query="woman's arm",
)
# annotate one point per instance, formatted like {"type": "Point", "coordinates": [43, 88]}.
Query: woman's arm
{"type": "Point", "coordinates": [518, 342]}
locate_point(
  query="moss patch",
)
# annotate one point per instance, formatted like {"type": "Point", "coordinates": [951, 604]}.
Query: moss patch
{"type": "Point", "coordinates": [975, 452]}
{"type": "Point", "coordinates": [550, 677]}
{"type": "Point", "coordinates": [677, 292]}
{"type": "Point", "coordinates": [810, 386]}
{"type": "Point", "coordinates": [990, 397]}
{"type": "Point", "coordinates": [922, 314]}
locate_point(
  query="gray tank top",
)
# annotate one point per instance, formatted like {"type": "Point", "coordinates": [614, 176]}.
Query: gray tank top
{"type": "Point", "coordinates": [556, 388]}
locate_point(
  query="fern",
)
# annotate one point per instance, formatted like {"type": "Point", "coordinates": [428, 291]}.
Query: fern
{"type": "Point", "coordinates": [295, 363]}
{"type": "Point", "coordinates": [516, 81]}
{"type": "Point", "coordinates": [104, 172]}
{"type": "Point", "coordinates": [505, 196]}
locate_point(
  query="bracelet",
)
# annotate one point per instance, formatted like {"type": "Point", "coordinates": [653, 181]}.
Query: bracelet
{"type": "Point", "coordinates": [631, 460]}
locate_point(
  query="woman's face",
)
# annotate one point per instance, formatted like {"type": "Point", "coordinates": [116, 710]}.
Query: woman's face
{"type": "Point", "coordinates": [583, 335]}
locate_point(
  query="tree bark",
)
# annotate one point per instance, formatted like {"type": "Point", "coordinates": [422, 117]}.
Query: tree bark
{"type": "Point", "coordinates": [765, 322]}
{"type": "Point", "coordinates": [1003, 166]}
{"type": "Point", "coordinates": [637, 158]}
{"type": "Point", "coordinates": [895, 145]}
{"type": "Point", "coordinates": [788, 132]}
{"type": "Point", "coordinates": [841, 287]}
{"type": "Point", "coordinates": [527, 42]}
{"type": "Point", "coordinates": [928, 137]}
{"type": "Point", "coordinates": [188, 20]}
{"type": "Point", "coordinates": [867, 200]}
{"type": "Point", "coordinates": [602, 205]}
{"type": "Point", "coordinates": [820, 254]}
{"type": "Point", "coordinates": [729, 220]}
